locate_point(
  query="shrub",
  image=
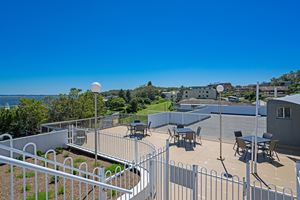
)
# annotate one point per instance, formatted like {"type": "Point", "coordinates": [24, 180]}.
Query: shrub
{"type": "Point", "coordinates": [27, 174]}
{"type": "Point", "coordinates": [79, 160]}
{"type": "Point", "coordinates": [66, 154]}
{"type": "Point", "coordinates": [61, 190]}
{"type": "Point", "coordinates": [52, 179]}
{"type": "Point", "coordinates": [27, 188]}
{"type": "Point", "coordinates": [97, 164]}
{"type": "Point", "coordinates": [111, 193]}
{"type": "Point", "coordinates": [112, 168]}
{"type": "Point", "coordinates": [39, 153]}
{"type": "Point", "coordinates": [59, 150]}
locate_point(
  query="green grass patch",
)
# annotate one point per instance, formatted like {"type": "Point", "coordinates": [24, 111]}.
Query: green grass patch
{"type": "Point", "coordinates": [158, 107]}
{"type": "Point", "coordinates": [79, 160]}
{"type": "Point", "coordinates": [112, 168]}
{"type": "Point", "coordinates": [27, 174]}
{"type": "Point", "coordinates": [41, 196]}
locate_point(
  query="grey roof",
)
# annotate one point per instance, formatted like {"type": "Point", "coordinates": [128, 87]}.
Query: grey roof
{"type": "Point", "coordinates": [291, 98]}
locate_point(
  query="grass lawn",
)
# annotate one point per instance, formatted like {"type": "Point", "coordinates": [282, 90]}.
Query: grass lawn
{"type": "Point", "coordinates": [152, 108]}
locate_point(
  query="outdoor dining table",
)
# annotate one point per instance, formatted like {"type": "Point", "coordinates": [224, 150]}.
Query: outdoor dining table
{"type": "Point", "coordinates": [250, 138]}
{"type": "Point", "coordinates": [183, 131]}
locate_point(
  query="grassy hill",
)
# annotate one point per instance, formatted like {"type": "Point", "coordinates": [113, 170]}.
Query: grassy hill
{"type": "Point", "coordinates": [154, 108]}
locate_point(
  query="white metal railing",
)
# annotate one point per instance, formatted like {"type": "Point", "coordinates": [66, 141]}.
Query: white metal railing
{"type": "Point", "coordinates": [103, 184]}
{"type": "Point", "coordinates": [298, 179]}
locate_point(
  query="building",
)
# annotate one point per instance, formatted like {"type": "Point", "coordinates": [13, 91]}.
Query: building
{"type": "Point", "coordinates": [227, 86]}
{"type": "Point", "coordinates": [274, 91]}
{"type": "Point", "coordinates": [204, 92]}
{"type": "Point", "coordinates": [170, 95]}
{"type": "Point", "coordinates": [283, 117]}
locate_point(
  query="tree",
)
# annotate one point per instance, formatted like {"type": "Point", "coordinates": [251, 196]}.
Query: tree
{"type": "Point", "coordinates": [149, 83]}
{"type": "Point", "coordinates": [122, 94]}
{"type": "Point", "coordinates": [116, 104]}
{"type": "Point", "coordinates": [32, 114]}
{"type": "Point", "coordinates": [128, 96]}
{"type": "Point", "coordinates": [133, 107]}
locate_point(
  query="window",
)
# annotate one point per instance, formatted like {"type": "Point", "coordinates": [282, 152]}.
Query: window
{"type": "Point", "coordinates": [186, 96]}
{"type": "Point", "coordinates": [207, 92]}
{"type": "Point", "coordinates": [284, 112]}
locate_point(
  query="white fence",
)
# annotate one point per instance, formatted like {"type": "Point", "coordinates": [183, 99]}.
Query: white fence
{"type": "Point", "coordinates": [98, 184]}
{"type": "Point", "coordinates": [298, 179]}
{"type": "Point", "coordinates": [44, 141]}
{"type": "Point", "coordinates": [166, 118]}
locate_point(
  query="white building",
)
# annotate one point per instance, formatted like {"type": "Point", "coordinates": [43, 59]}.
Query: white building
{"type": "Point", "coordinates": [203, 92]}
{"type": "Point", "coordinates": [170, 95]}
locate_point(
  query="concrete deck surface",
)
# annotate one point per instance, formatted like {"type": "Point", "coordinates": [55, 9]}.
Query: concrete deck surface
{"type": "Point", "coordinates": [280, 173]}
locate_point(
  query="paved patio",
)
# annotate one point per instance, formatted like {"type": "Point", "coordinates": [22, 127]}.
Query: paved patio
{"type": "Point", "coordinates": [281, 173]}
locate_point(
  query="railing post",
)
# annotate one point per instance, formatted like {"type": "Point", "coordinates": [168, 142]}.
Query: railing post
{"type": "Point", "coordinates": [101, 173]}
{"type": "Point", "coordinates": [247, 186]}
{"type": "Point", "coordinates": [151, 177]}
{"type": "Point", "coordinates": [136, 150]}
{"type": "Point", "coordinates": [298, 179]}
{"type": "Point", "coordinates": [167, 167]}
{"type": "Point", "coordinates": [195, 182]}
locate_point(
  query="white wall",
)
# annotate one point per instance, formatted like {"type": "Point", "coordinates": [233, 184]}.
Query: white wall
{"type": "Point", "coordinates": [43, 141]}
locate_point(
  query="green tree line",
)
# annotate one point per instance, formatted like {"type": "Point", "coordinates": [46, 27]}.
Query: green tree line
{"type": "Point", "coordinates": [26, 118]}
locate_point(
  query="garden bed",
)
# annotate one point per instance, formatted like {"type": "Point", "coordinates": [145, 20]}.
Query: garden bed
{"type": "Point", "coordinates": [127, 180]}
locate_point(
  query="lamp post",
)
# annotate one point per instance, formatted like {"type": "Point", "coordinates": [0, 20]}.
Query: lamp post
{"type": "Point", "coordinates": [220, 89]}
{"type": "Point", "coordinates": [95, 88]}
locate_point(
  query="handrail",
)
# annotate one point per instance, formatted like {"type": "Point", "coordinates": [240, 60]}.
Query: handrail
{"type": "Point", "coordinates": [41, 169]}
{"type": "Point", "coordinates": [17, 151]}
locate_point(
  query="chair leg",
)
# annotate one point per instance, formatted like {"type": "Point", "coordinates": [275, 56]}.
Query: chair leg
{"type": "Point", "coordinates": [277, 155]}
{"type": "Point", "coordinates": [234, 145]}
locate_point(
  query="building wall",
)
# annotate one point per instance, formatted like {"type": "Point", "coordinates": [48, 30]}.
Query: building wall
{"type": "Point", "coordinates": [200, 93]}
{"type": "Point", "coordinates": [287, 131]}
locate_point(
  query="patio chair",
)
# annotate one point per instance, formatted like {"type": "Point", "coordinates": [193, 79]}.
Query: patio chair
{"type": "Point", "coordinates": [237, 134]}
{"type": "Point", "coordinates": [139, 128]}
{"type": "Point", "coordinates": [189, 137]}
{"type": "Point", "coordinates": [173, 136]}
{"type": "Point", "coordinates": [267, 136]}
{"type": "Point", "coordinates": [270, 150]}
{"type": "Point", "coordinates": [180, 126]}
{"type": "Point", "coordinates": [148, 128]}
{"type": "Point", "coordinates": [198, 134]}
{"type": "Point", "coordinates": [241, 144]}
{"type": "Point", "coordinates": [129, 129]}
{"type": "Point", "coordinates": [136, 121]}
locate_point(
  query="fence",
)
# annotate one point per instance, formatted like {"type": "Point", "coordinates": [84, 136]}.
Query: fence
{"type": "Point", "coordinates": [298, 179]}
{"type": "Point", "coordinates": [97, 183]}
{"type": "Point", "coordinates": [166, 118]}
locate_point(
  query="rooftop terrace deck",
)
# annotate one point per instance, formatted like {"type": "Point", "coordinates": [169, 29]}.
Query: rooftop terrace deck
{"type": "Point", "coordinates": [281, 173]}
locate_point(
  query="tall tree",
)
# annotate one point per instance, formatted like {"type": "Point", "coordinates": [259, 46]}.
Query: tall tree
{"type": "Point", "coordinates": [122, 94]}
{"type": "Point", "coordinates": [128, 96]}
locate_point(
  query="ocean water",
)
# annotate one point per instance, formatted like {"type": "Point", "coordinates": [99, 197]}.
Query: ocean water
{"type": "Point", "coordinates": [13, 100]}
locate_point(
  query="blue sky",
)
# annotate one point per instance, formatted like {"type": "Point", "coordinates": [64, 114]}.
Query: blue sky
{"type": "Point", "coordinates": [47, 47]}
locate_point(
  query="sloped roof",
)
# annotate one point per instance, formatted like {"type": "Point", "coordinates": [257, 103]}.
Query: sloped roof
{"type": "Point", "coordinates": [291, 98]}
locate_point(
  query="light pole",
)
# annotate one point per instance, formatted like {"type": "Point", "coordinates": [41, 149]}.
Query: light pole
{"type": "Point", "coordinates": [220, 89]}
{"type": "Point", "coordinates": [95, 88]}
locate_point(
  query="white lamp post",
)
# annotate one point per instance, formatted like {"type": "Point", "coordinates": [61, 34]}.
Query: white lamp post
{"type": "Point", "coordinates": [95, 88]}
{"type": "Point", "coordinates": [220, 89]}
